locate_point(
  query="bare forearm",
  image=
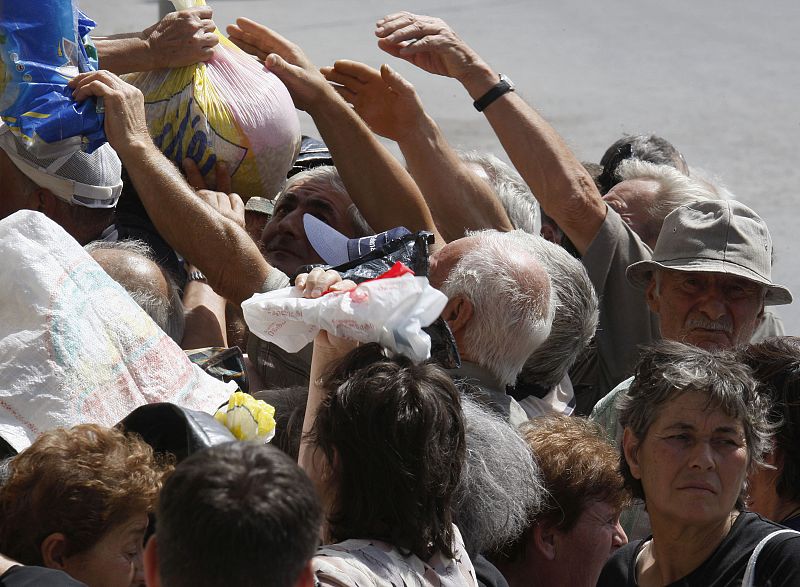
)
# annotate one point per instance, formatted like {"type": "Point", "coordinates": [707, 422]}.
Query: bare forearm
{"type": "Point", "coordinates": [124, 53]}
{"type": "Point", "coordinates": [217, 246]}
{"type": "Point", "coordinates": [458, 199]}
{"type": "Point", "coordinates": [319, 365]}
{"type": "Point", "coordinates": [558, 180]}
{"type": "Point", "coordinates": [378, 184]}
{"type": "Point", "coordinates": [205, 317]}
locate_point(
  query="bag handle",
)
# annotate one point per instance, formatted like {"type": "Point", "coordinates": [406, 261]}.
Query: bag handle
{"type": "Point", "coordinates": [750, 571]}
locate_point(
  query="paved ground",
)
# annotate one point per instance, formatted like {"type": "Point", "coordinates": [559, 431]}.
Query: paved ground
{"type": "Point", "coordinates": [719, 78]}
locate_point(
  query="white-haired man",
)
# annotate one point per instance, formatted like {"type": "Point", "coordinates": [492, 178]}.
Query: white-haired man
{"type": "Point", "coordinates": [500, 310]}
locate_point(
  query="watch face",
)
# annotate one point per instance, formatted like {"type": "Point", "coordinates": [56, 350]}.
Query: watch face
{"type": "Point", "coordinates": [505, 78]}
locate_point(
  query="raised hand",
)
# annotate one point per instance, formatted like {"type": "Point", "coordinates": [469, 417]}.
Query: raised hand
{"type": "Point", "coordinates": [182, 38]}
{"type": "Point", "coordinates": [125, 124]}
{"type": "Point", "coordinates": [227, 203]}
{"type": "Point", "coordinates": [427, 42]}
{"type": "Point", "coordinates": [283, 58]}
{"type": "Point", "coordinates": [385, 100]}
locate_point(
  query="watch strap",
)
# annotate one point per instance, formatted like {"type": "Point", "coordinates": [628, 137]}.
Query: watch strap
{"type": "Point", "coordinates": [196, 276]}
{"type": "Point", "coordinates": [504, 86]}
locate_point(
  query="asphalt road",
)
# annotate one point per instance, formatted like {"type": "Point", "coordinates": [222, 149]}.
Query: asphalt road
{"type": "Point", "coordinates": [718, 78]}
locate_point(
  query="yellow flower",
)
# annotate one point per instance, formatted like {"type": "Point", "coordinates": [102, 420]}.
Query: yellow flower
{"type": "Point", "coordinates": [248, 418]}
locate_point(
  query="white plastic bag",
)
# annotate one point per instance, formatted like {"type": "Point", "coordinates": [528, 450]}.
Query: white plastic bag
{"type": "Point", "coordinates": [389, 311]}
{"type": "Point", "coordinates": [74, 347]}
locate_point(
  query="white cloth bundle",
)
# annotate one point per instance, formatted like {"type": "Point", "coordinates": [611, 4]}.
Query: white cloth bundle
{"type": "Point", "coordinates": [74, 347]}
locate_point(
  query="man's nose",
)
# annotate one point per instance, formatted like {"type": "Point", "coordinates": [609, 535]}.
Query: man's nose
{"type": "Point", "coordinates": [712, 304]}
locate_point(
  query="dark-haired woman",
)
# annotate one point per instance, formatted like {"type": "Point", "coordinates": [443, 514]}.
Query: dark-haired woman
{"type": "Point", "coordinates": [384, 444]}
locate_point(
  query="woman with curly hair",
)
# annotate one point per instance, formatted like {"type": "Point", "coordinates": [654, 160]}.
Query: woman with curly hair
{"type": "Point", "coordinates": [77, 500]}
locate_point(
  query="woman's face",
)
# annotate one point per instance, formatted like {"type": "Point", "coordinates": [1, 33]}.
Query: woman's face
{"type": "Point", "coordinates": [692, 462]}
{"type": "Point", "coordinates": [115, 560]}
{"type": "Point", "coordinates": [584, 550]}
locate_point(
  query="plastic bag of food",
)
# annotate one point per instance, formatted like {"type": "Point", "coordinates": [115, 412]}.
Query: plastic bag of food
{"type": "Point", "coordinates": [43, 45]}
{"type": "Point", "coordinates": [390, 310]}
{"type": "Point", "coordinates": [231, 109]}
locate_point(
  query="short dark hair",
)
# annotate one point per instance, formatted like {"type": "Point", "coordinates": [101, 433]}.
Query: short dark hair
{"type": "Point", "coordinates": [776, 366]}
{"type": "Point", "coordinates": [397, 432]}
{"type": "Point", "coordinates": [667, 370]}
{"type": "Point", "coordinates": [652, 148]}
{"type": "Point", "coordinates": [239, 513]}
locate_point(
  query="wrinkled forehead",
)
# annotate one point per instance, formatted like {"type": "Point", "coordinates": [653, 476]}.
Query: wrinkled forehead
{"type": "Point", "coordinates": [310, 188]}
{"type": "Point", "coordinates": [708, 278]}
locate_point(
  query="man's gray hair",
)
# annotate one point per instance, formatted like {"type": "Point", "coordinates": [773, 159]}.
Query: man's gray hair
{"type": "Point", "coordinates": [513, 308]}
{"type": "Point", "coordinates": [328, 176]}
{"type": "Point", "coordinates": [669, 369]}
{"type": "Point", "coordinates": [501, 487]}
{"type": "Point", "coordinates": [575, 321]}
{"type": "Point", "coordinates": [167, 312]}
{"type": "Point", "coordinates": [512, 191]}
{"type": "Point", "coordinates": [674, 188]}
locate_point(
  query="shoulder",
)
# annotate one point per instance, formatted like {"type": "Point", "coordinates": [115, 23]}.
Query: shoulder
{"type": "Point", "coordinates": [21, 576]}
{"type": "Point", "coordinates": [619, 571]}
{"type": "Point", "coordinates": [615, 234]}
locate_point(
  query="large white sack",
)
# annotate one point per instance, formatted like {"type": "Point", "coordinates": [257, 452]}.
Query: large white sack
{"type": "Point", "coordinates": [74, 347]}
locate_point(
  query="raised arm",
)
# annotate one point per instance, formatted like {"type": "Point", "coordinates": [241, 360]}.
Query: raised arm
{"type": "Point", "coordinates": [458, 198]}
{"type": "Point", "coordinates": [216, 245]}
{"type": "Point", "coordinates": [377, 183]}
{"type": "Point", "coordinates": [563, 188]}
{"type": "Point", "coordinates": [180, 38]}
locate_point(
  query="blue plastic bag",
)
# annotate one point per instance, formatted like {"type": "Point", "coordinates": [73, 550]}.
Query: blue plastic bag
{"type": "Point", "coordinates": [43, 45]}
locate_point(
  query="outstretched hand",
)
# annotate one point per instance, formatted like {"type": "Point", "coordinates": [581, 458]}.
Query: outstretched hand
{"type": "Point", "coordinates": [427, 42]}
{"type": "Point", "coordinates": [182, 38]}
{"type": "Point", "coordinates": [223, 200]}
{"type": "Point", "coordinates": [385, 100]}
{"type": "Point", "coordinates": [286, 60]}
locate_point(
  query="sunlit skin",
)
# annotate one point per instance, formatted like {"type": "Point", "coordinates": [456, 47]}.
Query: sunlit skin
{"type": "Point", "coordinates": [632, 200]}
{"type": "Point", "coordinates": [444, 259]}
{"type": "Point", "coordinates": [584, 550]}
{"type": "Point", "coordinates": [284, 240]}
{"type": "Point", "coordinates": [709, 310]}
{"type": "Point", "coordinates": [692, 464]}
{"type": "Point", "coordinates": [115, 560]}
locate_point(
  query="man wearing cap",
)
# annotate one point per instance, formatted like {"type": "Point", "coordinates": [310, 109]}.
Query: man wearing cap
{"type": "Point", "coordinates": [708, 282]}
{"type": "Point", "coordinates": [602, 228]}
{"type": "Point", "coordinates": [78, 191]}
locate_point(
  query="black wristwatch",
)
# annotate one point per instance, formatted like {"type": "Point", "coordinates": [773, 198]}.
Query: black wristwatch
{"type": "Point", "coordinates": [504, 86]}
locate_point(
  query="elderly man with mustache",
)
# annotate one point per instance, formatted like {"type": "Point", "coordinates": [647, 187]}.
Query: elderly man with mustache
{"type": "Point", "coordinates": [708, 281]}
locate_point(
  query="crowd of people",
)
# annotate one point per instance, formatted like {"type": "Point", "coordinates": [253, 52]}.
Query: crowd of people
{"type": "Point", "coordinates": [609, 399]}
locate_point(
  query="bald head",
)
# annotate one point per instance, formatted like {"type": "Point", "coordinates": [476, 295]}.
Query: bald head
{"type": "Point", "coordinates": [501, 300]}
{"type": "Point", "coordinates": [131, 264]}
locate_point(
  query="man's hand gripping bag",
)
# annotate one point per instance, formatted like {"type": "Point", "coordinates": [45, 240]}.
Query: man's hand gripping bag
{"type": "Point", "coordinates": [230, 109]}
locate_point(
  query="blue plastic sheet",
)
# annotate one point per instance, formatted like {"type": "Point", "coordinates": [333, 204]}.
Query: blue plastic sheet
{"type": "Point", "coordinates": [44, 44]}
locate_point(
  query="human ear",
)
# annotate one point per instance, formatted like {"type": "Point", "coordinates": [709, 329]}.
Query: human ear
{"type": "Point", "coordinates": [630, 447]}
{"type": "Point", "coordinates": [151, 577]}
{"type": "Point", "coordinates": [458, 312]}
{"type": "Point", "coordinates": [652, 296]}
{"type": "Point", "coordinates": [52, 550]}
{"type": "Point", "coordinates": [544, 540]}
